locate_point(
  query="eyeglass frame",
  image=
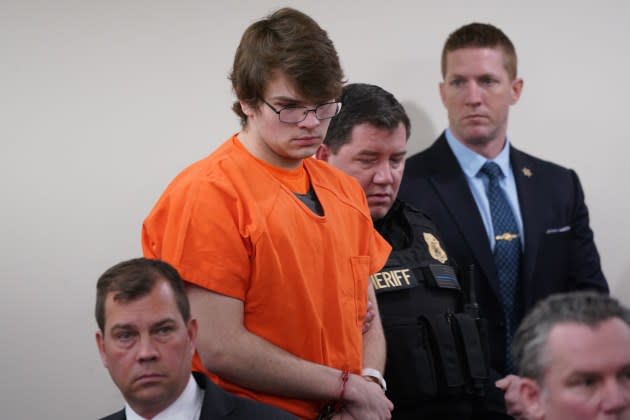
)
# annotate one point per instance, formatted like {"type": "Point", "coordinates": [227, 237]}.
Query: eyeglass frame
{"type": "Point", "coordinates": [306, 111]}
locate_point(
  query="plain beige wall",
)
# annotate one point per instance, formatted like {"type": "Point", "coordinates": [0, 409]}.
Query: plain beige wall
{"type": "Point", "coordinates": [103, 102]}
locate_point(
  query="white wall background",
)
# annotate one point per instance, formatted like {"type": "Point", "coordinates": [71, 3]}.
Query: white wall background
{"type": "Point", "coordinates": [103, 102]}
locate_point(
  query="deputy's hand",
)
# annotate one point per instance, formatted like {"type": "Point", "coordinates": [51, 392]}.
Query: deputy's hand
{"type": "Point", "coordinates": [366, 400]}
{"type": "Point", "coordinates": [510, 385]}
{"type": "Point", "coordinates": [369, 317]}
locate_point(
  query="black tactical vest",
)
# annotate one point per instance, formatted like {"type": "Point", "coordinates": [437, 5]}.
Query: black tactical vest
{"type": "Point", "coordinates": [436, 345]}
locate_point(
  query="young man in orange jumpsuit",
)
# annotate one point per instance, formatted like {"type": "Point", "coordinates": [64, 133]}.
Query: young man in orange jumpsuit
{"type": "Point", "coordinates": [276, 246]}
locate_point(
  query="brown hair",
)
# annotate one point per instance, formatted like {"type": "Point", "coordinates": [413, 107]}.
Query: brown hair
{"type": "Point", "coordinates": [481, 35]}
{"type": "Point", "coordinates": [291, 42]}
{"type": "Point", "coordinates": [133, 279]}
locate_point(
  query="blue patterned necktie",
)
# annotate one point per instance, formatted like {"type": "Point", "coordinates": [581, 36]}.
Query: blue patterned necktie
{"type": "Point", "coordinates": [507, 253]}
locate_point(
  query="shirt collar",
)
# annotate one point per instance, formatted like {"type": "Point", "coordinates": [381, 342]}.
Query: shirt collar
{"type": "Point", "coordinates": [187, 406]}
{"type": "Point", "coordinates": [471, 162]}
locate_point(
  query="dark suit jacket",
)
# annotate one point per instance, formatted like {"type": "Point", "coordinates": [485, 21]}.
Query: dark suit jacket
{"type": "Point", "coordinates": [559, 253]}
{"type": "Point", "coordinates": [218, 404]}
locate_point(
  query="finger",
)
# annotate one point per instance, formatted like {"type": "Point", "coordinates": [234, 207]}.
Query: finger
{"type": "Point", "coordinates": [505, 381]}
{"type": "Point", "coordinates": [502, 383]}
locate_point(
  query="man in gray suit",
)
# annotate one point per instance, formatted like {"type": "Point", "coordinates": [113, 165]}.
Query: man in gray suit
{"type": "Point", "coordinates": [146, 340]}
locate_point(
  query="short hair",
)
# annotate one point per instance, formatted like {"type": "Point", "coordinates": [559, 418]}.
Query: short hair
{"type": "Point", "coordinates": [481, 35]}
{"type": "Point", "coordinates": [136, 278]}
{"type": "Point", "coordinates": [582, 307]}
{"type": "Point", "coordinates": [364, 103]}
{"type": "Point", "coordinates": [293, 43]}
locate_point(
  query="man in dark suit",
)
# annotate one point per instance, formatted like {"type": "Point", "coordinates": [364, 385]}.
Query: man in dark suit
{"type": "Point", "coordinates": [146, 340]}
{"type": "Point", "coordinates": [472, 170]}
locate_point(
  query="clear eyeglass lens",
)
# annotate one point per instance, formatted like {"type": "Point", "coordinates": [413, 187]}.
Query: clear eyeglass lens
{"type": "Point", "coordinates": [326, 110]}
{"type": "Point", "coordinates": [297, 114]}
{"type": "Point", "coordinates": [292, 115]}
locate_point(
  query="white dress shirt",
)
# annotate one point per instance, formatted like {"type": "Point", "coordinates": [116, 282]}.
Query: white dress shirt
{"type": "Point", "coordinates": [186, 407]}
{"type": "Point", "coordinates": [471, 162]}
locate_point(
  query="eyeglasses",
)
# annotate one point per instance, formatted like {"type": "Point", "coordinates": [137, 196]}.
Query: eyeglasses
{"type": "Point", "coordinates": [295, 114]}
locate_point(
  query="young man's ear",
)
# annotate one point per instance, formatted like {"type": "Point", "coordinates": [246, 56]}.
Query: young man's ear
{"type": "Point", "coordinates": [323, 153]}
{"type": "Point", "coordinates": [531, 397]}
{"type": "Point", "coordinates": [247, 109]}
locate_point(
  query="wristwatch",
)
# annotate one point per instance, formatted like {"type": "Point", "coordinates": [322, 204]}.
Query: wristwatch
{"type": "Point", "coordinates": [374, 376]}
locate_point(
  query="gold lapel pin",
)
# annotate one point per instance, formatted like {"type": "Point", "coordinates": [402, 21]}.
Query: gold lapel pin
{"type": "Point", "coordinates": [527, 172]}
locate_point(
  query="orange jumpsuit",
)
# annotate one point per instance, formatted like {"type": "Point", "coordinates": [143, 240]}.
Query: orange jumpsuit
{"type": "Point", "coordinates": [232, 224]}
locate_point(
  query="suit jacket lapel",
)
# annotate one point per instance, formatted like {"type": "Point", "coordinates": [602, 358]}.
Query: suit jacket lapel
{"type": "Point", "coordinates": [529, 201]}
{"type": "Point", "coordinates": [120, 415]}
{"type": "Point", "coordinates": [450, 184]}
{"type": "Point", "coordinates": [215, 404]}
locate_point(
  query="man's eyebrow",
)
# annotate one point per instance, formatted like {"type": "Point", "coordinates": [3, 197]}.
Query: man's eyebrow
{"type": "Point", "coordinates": [163, 322]}
{"type": "Point", "coordinates": [366, 152]}
{"type": "Point", "coordinates": [122, 326]}
{"type": "Point", "coordinates": [130, 326]}
{"type": "Point", "coordinates": [625, 367]}
{"type": "Point", "coordinates": [582, 373]}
